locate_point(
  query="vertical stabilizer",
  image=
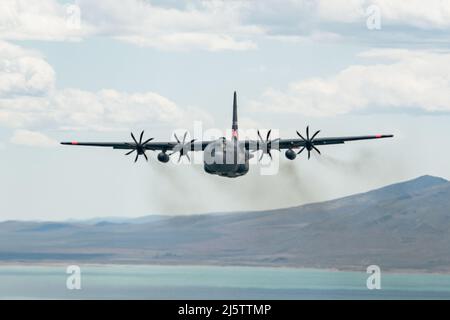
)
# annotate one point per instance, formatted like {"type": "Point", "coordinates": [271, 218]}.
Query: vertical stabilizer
{"type": "Point", "coordinates": [234, 127]}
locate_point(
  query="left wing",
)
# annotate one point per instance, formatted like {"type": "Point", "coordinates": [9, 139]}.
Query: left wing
{"type": "Point", "coordinates": [298, 143]}
{"type": "Point", "coordinates": [304, 142]}
{"type": "Point", "coordinates": [254, 145]}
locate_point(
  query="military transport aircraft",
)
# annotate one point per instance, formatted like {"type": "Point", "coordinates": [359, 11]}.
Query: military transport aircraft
{"type": "Point", "coordinates": [227, 158]}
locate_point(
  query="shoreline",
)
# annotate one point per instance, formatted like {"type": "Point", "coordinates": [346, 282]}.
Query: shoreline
{"type": "Point", "coordinates": [187, 265]}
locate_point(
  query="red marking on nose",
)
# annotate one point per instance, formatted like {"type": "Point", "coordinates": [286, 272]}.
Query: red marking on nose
{"type": "Point", "coordinates": [379, 136]}
{"type": "Point", "coordinates": [74, 142]}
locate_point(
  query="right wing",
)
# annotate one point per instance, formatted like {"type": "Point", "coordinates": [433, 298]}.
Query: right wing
{"type": "Point", "coordinates": [163, 146]}
{"type": "Point", "coordinates": [141, 146]}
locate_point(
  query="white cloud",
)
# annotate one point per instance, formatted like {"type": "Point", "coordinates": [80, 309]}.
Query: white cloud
{"type": "Point", "coordinates": [397, 79]}
{"type": "Point", "coordinates": [188, 41]}
{"type": "Point", "coordinates": [210, 25]}
{"type": "Point", "coordinates": [73, 109]}
{"type": "Point", "coordinates": [113, 110]}
{"type": "Point", "coordinates": [39, 20]}
{"type": "Point", "coordinates": [431, 14]}
{"type": "Point", "coordinates": [28, 99]}
{"type": "Point", "coordinates": [215, 24]}
{"type": "Point", "coordinates": [23, 72]}
{"type": "Point", "coordinates": [32, 138]}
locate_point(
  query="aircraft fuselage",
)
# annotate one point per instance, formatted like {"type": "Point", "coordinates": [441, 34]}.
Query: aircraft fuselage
{"type": "Point", "coordinates": [226, 158]}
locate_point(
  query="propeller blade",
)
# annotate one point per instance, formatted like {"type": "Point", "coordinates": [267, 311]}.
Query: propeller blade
{"type": "Point", "coordinates": [140, 138]}
{"type": "Point", "coordinates": [268, 135]}
{"type": "Point", "coordinates": [137, 156]}
{"type": "Point", "coordinates": [182, 147]}
{"type": "Point", "coordinates": [261, 156]}
{"type": "Point", "coordinates": [147, 141]}
{"type": "Point", "coordinates": [145, 156]}
{"type": "Point", "coordinates": [259, 135]}
{"type": "Point", "coordinates": [130, 152]}
{"type": "Point", "coordinates": [132, 135]}
{"type": "Point", "coordinates": [298, 133]}
{"type": "Point", "coordinates": [309, 142]}
{"type": "Point", "coordinates": [270, 155]}
{"type": "Point", "coordinates": [316, 149]}
{"type": "Point", "coordinates": [315, 134]}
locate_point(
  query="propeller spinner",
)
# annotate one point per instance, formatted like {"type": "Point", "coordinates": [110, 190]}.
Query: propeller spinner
{"type": "Point", "coordinates": [266, 145]}
{"type": "Point", "coordinates": [182, 147]}
{"type": "Point", "coordinates": [139, 147]}
{"type": "Point", "coordinates": [309, 142]}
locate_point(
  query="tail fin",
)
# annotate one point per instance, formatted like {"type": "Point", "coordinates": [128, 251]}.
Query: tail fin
{"type": "Point", "coordinates": [234, 127]}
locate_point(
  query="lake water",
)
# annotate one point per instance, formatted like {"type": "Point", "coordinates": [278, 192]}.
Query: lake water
{"type": "Point", "coordinates": [206, 282]}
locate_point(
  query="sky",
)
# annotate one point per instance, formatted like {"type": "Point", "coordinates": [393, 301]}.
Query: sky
{"type": "Point", "coordinates": [98, 70]}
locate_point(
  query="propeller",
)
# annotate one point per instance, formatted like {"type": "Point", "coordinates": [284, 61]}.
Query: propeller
{"type": "Point", "coordinates": [139, 147]}
{"type": "Point", "coordinates": [266, 144]}
{"type": "Point", "coordinates": [309, 142]}
{"type": "Point", "coordinates": [182, 147]}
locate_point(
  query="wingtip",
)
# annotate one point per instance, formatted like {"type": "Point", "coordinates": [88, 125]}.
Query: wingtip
{"type": "Point", "coordinates": [380, 136]}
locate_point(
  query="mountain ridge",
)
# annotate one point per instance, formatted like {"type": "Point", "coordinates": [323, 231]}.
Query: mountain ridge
{"type": "Point", "coordinates": [140, 219]}
{"type": "Point", "coordinates": [401, 226]}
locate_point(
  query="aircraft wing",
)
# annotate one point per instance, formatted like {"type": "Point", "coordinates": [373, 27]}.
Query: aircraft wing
{"type": "Point", "coordinates": [163, 146]}
{"type": "Point", "coordinates": [149, 144]}
{"type": "Point", "coordinates": [298, 143]}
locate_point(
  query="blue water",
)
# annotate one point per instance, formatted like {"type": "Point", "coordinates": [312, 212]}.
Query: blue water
{"type": "Point", "coordinates": [206, 282]}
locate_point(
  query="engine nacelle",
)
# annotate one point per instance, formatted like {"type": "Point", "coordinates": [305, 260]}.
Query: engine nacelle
{"type": "Point", "coordinates": [290, 154]}
{"type": "Point", "coordinates": [163, 157]}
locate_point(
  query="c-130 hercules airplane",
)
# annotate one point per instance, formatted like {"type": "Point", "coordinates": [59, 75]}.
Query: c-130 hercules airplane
{"type": "Point", "coordinates": [227, 158]}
